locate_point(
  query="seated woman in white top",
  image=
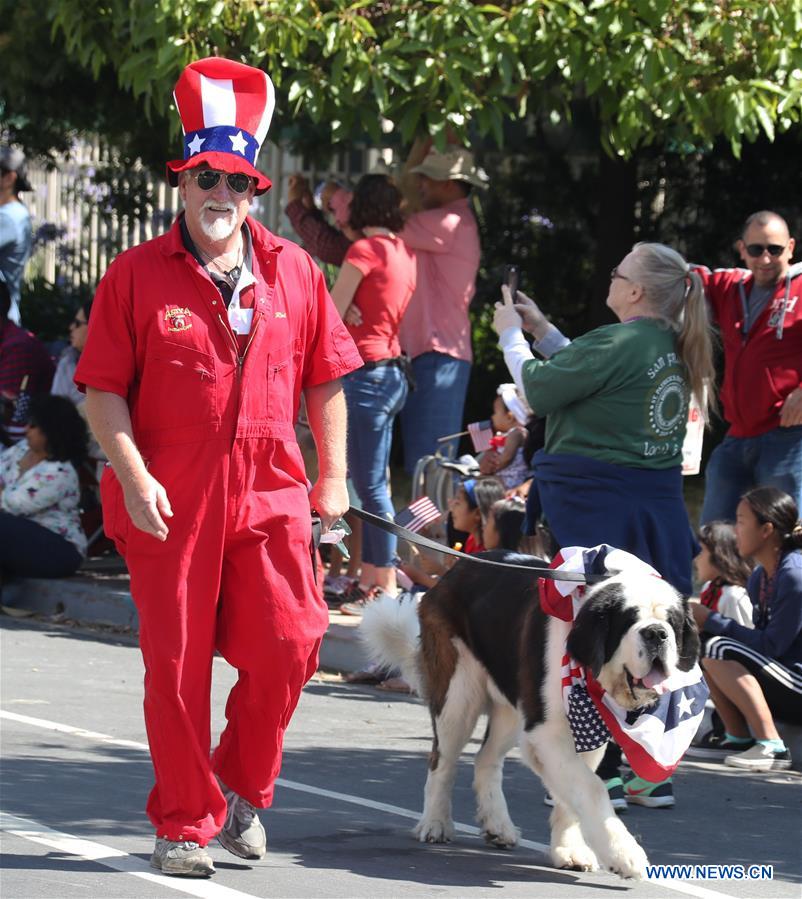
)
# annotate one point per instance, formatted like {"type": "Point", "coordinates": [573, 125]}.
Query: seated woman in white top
{"type": "Point", "coordinates": [40, 526]}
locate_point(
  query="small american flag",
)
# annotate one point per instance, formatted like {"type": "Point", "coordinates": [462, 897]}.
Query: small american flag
{"type": "Point", "coordinates": [481, 434]}
{"type": "Point", "coordinates": [417, 515]}
{"type": "Point", "coordinates": [19, 420]}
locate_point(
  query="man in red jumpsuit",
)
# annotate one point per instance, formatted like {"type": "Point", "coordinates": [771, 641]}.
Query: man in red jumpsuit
{"type": "Point", "coordinates": [758, 310]}
{"type": "Point", "coordinates": [199, 346]}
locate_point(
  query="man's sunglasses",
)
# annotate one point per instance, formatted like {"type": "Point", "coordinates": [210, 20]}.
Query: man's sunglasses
{"type": "Point", "coordinates": [77, 323]}
{"type": "Point", "coordinates": [208, 179]}
{"type": "Point", "coordinates": [758, 249]}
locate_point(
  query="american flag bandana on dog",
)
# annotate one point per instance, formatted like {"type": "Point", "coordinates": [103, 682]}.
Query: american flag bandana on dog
{"type": "Point", "coordinates": [654, 739]}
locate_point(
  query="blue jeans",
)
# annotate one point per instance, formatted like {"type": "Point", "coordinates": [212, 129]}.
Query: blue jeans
{"type": "Point", "coordinates": [435, 406]}
{"type": "Point", "coordinates": [374, 398]}
{"type": "Point", "coordinates": [737, 464]}
{"type": "Point", "coordinates": [28, 549]}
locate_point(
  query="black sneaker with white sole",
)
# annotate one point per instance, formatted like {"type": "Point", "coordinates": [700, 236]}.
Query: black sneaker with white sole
{"type": "Point", "coordinates": [615, 790]}
{"type": "Point", "coordinates": [716, 746]}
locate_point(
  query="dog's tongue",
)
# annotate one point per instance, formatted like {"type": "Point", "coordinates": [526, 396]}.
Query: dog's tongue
{"type": "Point", "coordinates": [655, 679]}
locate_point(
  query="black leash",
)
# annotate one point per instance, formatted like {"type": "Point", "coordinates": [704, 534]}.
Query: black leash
{"type": "Point", "coordinates": [411, 537]}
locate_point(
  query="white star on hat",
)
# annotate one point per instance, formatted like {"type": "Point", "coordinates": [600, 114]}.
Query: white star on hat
{"type": "Point", "coordinates": [238, 143]}
{"type": "Point", "coordinates": [195, 144]}
{"type": "Point", "coordinates": [685, 705]}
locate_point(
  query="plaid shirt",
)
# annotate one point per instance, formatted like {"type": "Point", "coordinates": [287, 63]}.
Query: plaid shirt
{"type": "Point", "coordinates": [318, 236]}
{"type": "Point", "coordinates": [22, 354]}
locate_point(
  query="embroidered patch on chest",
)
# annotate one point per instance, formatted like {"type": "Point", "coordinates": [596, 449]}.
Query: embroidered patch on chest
{"type": "Point", "coordinates": [178, 319]}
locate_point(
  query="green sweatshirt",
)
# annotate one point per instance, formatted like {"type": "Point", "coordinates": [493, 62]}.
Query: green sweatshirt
{"type": "Point", "coordinates": [618, 394]}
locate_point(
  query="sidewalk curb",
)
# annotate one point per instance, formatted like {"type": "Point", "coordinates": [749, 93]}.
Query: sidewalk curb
{"type": "Point", "coordinates": [106, 601]}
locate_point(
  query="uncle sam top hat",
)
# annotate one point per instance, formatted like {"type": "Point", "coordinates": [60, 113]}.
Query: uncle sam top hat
{"type": "Point", "coordinates": [225, 110]}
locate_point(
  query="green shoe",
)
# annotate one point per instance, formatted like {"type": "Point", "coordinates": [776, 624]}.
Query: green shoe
{"type": "Point", "coordinates": [653, 795]}
{"type": "Point", "coordinates": [615, 790]}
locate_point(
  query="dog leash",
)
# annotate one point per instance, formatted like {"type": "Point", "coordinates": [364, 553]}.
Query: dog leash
{"type": "Point", "coordinates": [411, 537]}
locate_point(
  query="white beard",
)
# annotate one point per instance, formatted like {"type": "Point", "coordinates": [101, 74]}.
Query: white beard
{"type": "Point", "coordinates": [220, 228]}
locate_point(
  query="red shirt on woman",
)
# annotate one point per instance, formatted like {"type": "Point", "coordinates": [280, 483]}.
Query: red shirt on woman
{"type": "Point", "coordinates": [389, 268]}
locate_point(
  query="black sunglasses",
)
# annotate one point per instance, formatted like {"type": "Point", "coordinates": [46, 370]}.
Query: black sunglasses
{"type": "Point", "coordinates": [757, 249]}
{"type": "Point", "coordinates": [77, 322]}
{"type": "Point", "coordinates": [614, 273]}
{"type": "Point", "coordinates": [208, 179]}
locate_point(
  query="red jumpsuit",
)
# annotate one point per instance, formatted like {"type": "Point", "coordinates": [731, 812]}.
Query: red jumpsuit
{"type": "Point", "coordinates": [215, 427]}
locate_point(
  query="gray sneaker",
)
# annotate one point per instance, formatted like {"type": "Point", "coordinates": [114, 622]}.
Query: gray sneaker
{"type": "Point", "coordinates": [760, 758]}
{"type": "Point", "coordinates": [242, 834]}
{"type": "Point", "coordinates": [181, 859]}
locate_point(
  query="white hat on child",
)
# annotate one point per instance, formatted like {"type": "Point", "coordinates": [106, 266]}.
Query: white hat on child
{"type": "Point", "coordinates": [514, 402]}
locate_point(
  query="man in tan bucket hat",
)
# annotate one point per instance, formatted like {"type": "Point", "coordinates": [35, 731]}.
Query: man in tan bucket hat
{"type": "Point", "coordinates": [436, 330]}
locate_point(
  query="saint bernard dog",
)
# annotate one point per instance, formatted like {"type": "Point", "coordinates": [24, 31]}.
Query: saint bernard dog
{"type": "Point", "coordinates": [479, 642]}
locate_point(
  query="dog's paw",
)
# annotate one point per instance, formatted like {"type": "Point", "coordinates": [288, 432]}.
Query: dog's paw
{"type": "Point", "coordinates": [431, 830]}
{"type": "Point", "coordinates": [501, 834]}
{"type": "Point", "coordinates": [576, 858]}
{"type": "Point", "coordinates": [626, 857]}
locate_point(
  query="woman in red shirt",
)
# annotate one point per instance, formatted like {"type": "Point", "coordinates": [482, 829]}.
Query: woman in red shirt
{"type": "Point", "coordinates": [372, 292]}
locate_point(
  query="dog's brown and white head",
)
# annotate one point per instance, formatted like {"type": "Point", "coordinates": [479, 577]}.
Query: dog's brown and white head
{"type": "Point", "coordinates": [633, 631]}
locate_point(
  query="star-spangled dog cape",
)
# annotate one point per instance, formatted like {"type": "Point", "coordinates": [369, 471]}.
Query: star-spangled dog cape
{"type": "Point", "coordinates": [655, 738]}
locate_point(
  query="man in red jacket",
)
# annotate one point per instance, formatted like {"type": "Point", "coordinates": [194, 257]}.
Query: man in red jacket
{"type": "Point", "coordinates": [199, 346]}
{"type": "Point", "coordinates": [759, 313]}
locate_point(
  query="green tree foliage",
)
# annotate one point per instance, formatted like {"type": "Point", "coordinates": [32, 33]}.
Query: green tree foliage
{"type": "Point", "coordinates": [684, 71]}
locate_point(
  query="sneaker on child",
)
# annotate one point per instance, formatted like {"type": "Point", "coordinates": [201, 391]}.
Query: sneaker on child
{"type": "Point", "coordinates": [717, 746]}
{"type": "Point", "coordinates": [761, 757]}
{"type": "Point", "coordinates": [653, 795]}
{"type": "Point", "coordinates": [338, 585]}
{"type": "Point", "coordinates": [358, 598]}
{"type": "Point", "coordinates": [615, 790]}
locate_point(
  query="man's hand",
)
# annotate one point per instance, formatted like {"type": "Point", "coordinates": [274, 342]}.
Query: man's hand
{"type": "Point", "coordinates": [353, 315]}
{"type": "Point", "coordinates": [791, 413]}
{"type": "Point", "coordinates": [506, 316]}
{"type": "Point", "coordinates": [298, 189]}
{"type": "Point", "coordinates": [329, 498]}
{"type": "Point", "coordinates": [147, 505]}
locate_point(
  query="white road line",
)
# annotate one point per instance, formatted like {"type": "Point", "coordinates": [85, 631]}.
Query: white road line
{"type": "Point", "coordinates": [109, 857]}
{"type": "Point", "coordinates": [687, 889]}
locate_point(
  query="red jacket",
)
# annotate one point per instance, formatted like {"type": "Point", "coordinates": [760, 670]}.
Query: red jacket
{"type": "Point", "coordinates": [761, 369]}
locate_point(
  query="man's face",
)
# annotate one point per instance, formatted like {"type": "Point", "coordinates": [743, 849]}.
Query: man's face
{"type": "Point", "coordinates": [767, 268]}
{"type": "Point", "coordinates": [7, 182]}
{"type": "Point", "coordinates": [431, 192]}
{"type": "Point", "coordinates": [218, 212]}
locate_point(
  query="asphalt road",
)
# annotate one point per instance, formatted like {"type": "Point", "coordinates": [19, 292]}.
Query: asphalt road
{"type": "Point", "coordinates": [75, 775]}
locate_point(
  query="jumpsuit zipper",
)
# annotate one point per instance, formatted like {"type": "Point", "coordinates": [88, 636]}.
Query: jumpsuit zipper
{"type": "Point", "coordinates": [240, 358]}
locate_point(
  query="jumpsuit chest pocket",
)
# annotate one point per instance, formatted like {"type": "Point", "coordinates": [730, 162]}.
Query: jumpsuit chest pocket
{"type": "Point", "coordinates": [282, 371]}
{"type": "Point", "coordinates": [179, 387]}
